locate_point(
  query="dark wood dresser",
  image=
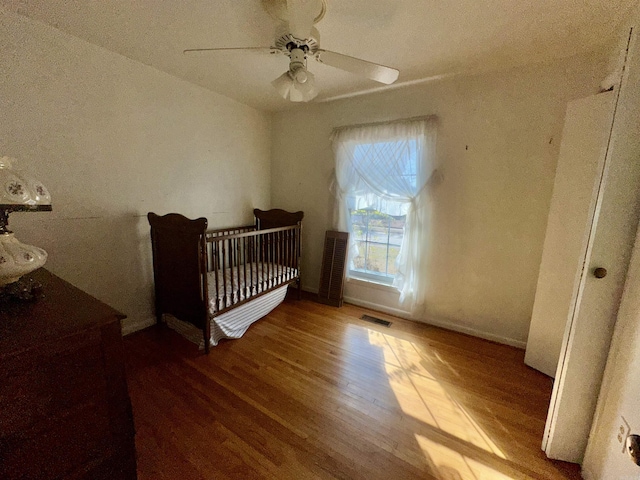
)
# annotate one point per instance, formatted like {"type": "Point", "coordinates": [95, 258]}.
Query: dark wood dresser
{"type": "Point", "coordinates": [64, 405]}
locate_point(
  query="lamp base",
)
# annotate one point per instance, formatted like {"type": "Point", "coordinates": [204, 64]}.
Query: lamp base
{"type": "Point", "coordinates": [17, 258]}
{"type": "Point", "coordinates": [24, 290]}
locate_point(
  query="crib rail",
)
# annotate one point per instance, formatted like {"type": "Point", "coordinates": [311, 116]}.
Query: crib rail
{"type": "Point", "coordinates": [247, 263]}
{"type": "Point", "coordinates": [221, 232]}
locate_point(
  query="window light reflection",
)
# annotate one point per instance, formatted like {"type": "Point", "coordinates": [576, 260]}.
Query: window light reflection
{"type": "Point", "coordinates": [448, 464]}
{"type": "Point", "coordinates": [422, 397]}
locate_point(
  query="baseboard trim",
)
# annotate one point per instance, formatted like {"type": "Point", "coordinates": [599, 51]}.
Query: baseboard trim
{"type": "Point", "coordinates": [306, 288]}
{"type": "Point", "coordinates": [450, 325]}
{"type": "Point", "coordinates": [439, 322]}
{"type": "Point", "coordinates": [586, 473]}
{"type": "Point", "coordinates": [379, 308]}
{"type": "Point", "coordinates": [131, 325]}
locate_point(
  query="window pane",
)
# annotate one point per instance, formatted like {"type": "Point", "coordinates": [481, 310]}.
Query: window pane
{"type": "Point", "coordinates": [391, 263]}
{"type": "Point", "coordinates": [378, 237]}
{"type": "Point", "coordinates": [396, 234]}
{"type": "Point", "coordinates": [359, 256]}
{"type": "Point", "coordinates": [377, 258]}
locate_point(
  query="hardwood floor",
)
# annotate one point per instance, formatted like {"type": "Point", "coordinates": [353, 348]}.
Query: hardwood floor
{"type": "Point", "coordinates": [312, 391]}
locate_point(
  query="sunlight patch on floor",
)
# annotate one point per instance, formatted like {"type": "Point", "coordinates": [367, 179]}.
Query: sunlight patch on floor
{"type": "Point", "coordinates": [421, 396]}
{"type": "Point", "coordinates": [447, 464]}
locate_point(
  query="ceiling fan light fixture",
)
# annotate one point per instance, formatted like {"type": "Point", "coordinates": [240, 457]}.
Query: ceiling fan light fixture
{"type": "Point", "coordinates": [301, 75]}
{"type": "Point", "coordinates": [290, 89]}
{"type": "Point", "coordinates": [297, 84]}
{"type": "Point", "coordinates": [306, 89]}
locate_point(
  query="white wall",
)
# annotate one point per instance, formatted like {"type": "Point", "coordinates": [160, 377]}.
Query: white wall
{"type": "Point", "coordinates": [498, 143]}
{"type": "Point", "coordinates": [113, 139]}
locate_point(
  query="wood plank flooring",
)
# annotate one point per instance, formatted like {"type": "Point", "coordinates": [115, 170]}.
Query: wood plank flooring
{"type": "Point", "coordinates": [312, 391]}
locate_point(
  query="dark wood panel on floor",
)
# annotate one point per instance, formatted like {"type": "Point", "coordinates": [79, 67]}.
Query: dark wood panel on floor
{"type": "Point", "coordinates": [312, 391]}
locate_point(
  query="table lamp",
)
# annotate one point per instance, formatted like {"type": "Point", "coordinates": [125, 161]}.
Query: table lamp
{"type": "Point", "coordinates": [18, 193]}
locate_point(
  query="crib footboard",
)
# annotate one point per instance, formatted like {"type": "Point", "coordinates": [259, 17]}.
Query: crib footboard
{"type": "Point", "coordinates": [242, 266]}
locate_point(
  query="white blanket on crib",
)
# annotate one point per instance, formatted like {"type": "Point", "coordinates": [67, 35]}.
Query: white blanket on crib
{"type": "Point", "coordinates": [233, 323]}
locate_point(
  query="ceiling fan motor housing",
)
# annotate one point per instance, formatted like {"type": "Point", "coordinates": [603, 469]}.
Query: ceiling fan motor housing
{"type": "Point", "coordinates": [297, 65]}
{"type": "Point", "coordinates": [287, 41]}
{"type": "Point", "coordinates": [278, 9]}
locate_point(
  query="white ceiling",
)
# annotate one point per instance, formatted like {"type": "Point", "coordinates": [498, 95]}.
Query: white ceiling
{"type": "Point", "coordinates": [422, 38]}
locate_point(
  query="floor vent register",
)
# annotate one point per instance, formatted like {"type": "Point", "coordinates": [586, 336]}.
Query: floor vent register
{"type": "Point", "coordinates": [377, 320]}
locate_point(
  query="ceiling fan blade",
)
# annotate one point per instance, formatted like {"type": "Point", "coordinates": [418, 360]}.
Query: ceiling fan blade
{"type": "Point", "coordinates": [374, 71]}
{"type": "Point", "coordinates": [198, 51]}
{"type": "Point", "coordinates": [302, 14]}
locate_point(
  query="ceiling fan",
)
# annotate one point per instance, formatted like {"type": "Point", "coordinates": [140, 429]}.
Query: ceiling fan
{"type": "Point", "coordinates": [299, 40]}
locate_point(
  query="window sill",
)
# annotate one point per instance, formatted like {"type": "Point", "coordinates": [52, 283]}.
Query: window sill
{"type": "Point", "coordinates": [372, 284]}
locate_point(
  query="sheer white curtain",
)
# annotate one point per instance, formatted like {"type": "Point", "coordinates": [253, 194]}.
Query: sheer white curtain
{"type": "Point", "coordinates": [394, 161]}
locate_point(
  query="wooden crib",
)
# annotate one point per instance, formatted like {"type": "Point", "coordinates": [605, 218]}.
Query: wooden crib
{"type": "Point", "coordinates": [221, 281]}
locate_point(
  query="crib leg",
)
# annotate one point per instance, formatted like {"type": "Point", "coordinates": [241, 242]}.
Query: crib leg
{"type": "Point", "coordinates": [206, 331]}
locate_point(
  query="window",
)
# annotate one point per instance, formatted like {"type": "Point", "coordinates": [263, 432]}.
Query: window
{"type": "Point", "coordinates": [377, 229]}
{"type": "Point", "coordinates": [377, 238]}
{"type": "Point", "coordinates": [381, 174]}
{"type": "Point", "coordinates": [376, 223]}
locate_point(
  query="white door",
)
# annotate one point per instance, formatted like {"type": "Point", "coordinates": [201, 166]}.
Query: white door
{"type": "Point", "coordinates": [588, 334]}
{"type": "Point", "coordinates": [585, 138]}
{"type": "Point", "coordinates": [619, 402]}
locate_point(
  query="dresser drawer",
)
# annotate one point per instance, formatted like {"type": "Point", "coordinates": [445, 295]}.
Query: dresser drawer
{"type": "Point", "coordinates": [39, 386]}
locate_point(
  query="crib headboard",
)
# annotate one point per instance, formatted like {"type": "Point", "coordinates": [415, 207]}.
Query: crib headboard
{"type": "Point", "coordinates": [276, 218]}
{"type": "Point", "coordinates": [178, 244]}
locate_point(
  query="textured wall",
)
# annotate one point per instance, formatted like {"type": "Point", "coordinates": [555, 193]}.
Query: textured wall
{"type": "Point", "coordinates": [497, 147]}
{"type": "Point", "coordinates": [113, 139]}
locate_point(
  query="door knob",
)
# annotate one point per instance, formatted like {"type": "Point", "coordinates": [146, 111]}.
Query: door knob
{"type": "Point", "coordinates": [600, 272]}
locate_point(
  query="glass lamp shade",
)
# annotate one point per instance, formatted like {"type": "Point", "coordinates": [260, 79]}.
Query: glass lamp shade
{"type": "Point", "coordinates": [16, 188]}
{"type": "Point", "coordinates": [19, 193]}
{"type": "Point", "coordinates": [282, 84]}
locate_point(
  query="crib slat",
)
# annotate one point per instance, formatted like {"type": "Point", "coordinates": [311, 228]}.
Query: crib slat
{"type": "Point", "coordinates": [269, 257]}
{"type": "Point", "coordinates": [289, 254]}
{"type": "Point", "coordinates": [237, 254]}
{"type": "Point", "coordinates": [253, 261]}
{"type": "Point", "coordinates": [216, 274]}
{"type": "Point", "coordinates": [292, 247]}
{"type": "Point", "coordinates": [288, 247]}
{"type": "Point", "coordinates": [276, 248]}
{"type": "Point", "coordinates": [224, 272]}
{"type": "Point", "coordinates": [243, 256]}
{"type": "Point", "coordinates": [262, 263]}
{"type": "Point", "coordinates": [280, 258]}
{"type": "Point", "coordinates": [272, 257]}
{"type": "Point", "coordinates": [231, 273]}
{"type": "Point", "coordinates": [266, 274]}
{"type": "Point", "coordinates": [247, 274]}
